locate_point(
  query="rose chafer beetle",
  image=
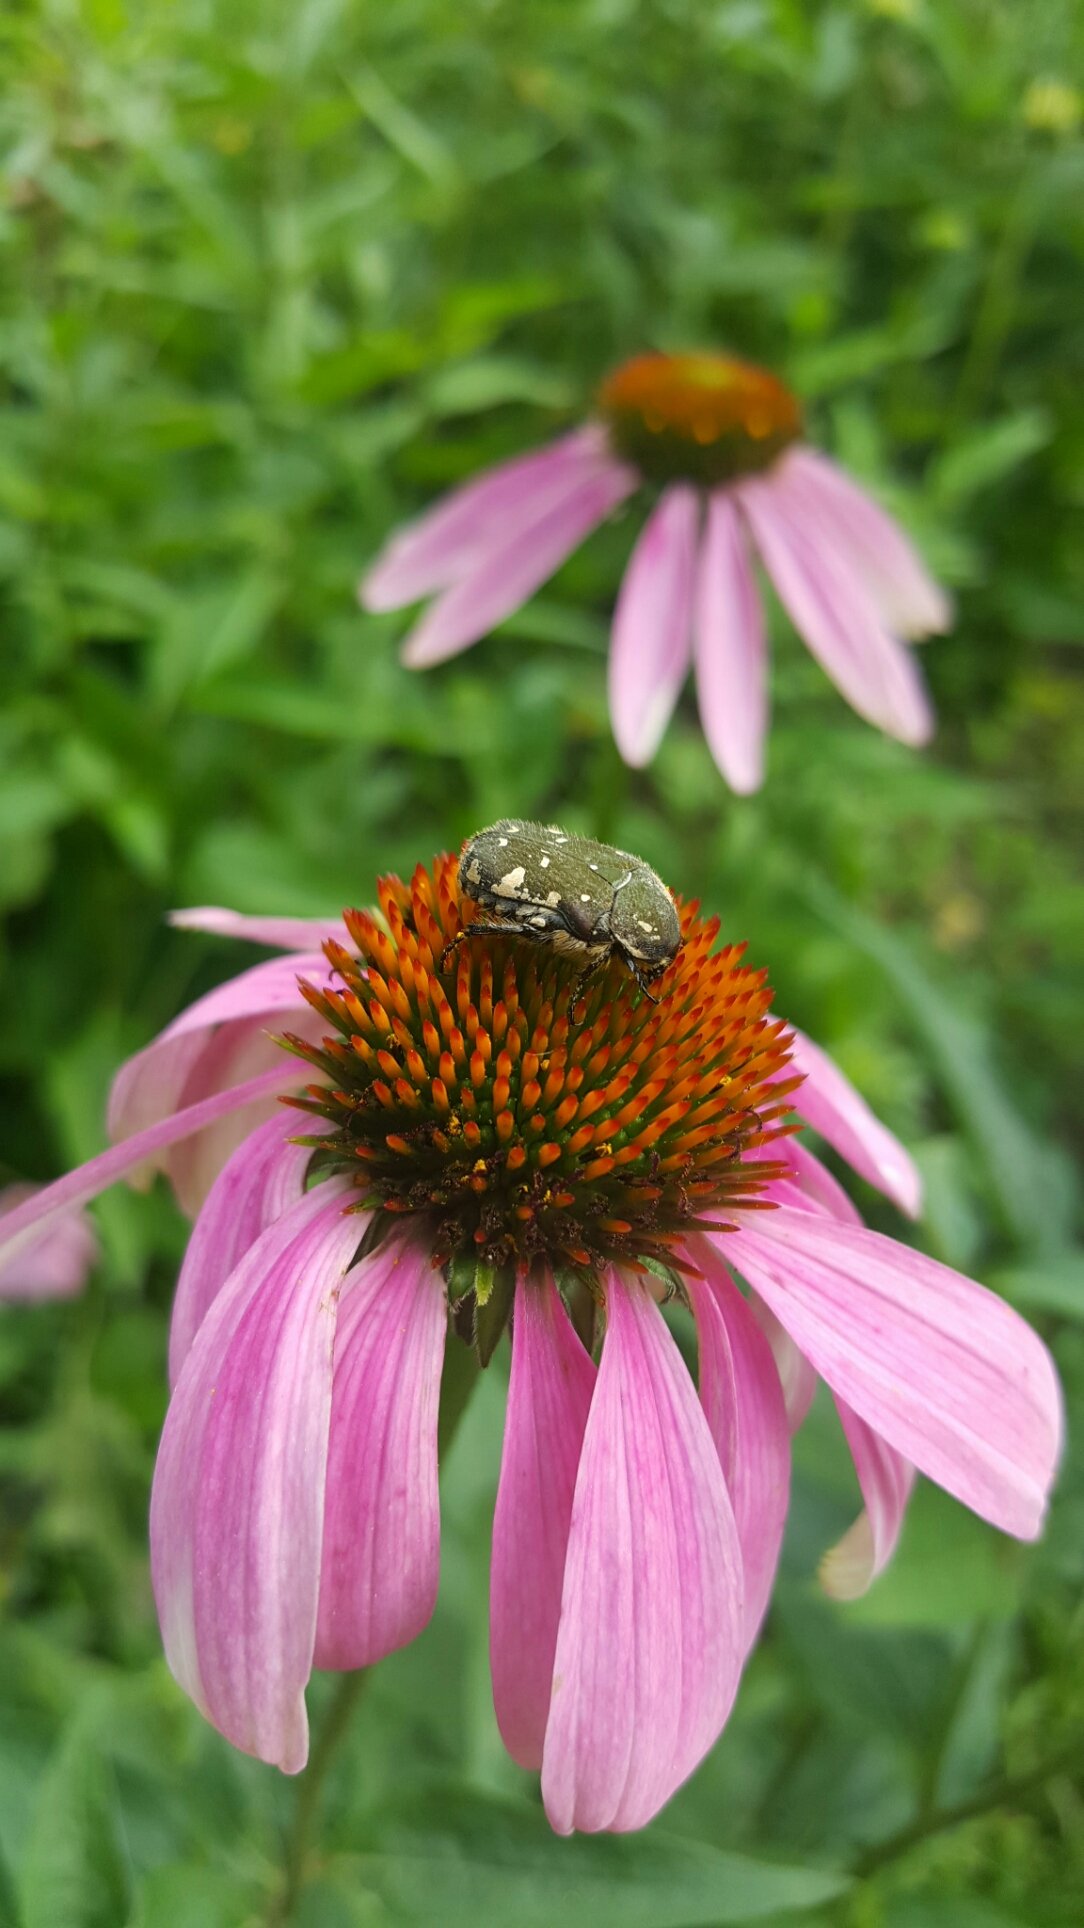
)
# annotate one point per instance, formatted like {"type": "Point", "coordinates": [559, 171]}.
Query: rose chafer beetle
{"type": "Point", "coordinates": [585, 899]}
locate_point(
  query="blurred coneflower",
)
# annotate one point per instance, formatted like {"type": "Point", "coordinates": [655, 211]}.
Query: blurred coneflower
{"type": "Point", "coordinates": [54, 1261]}
{"type": "Point", "coordinates": [719, 443]}
{"type": "Point", "coordinates": [461, 1157]}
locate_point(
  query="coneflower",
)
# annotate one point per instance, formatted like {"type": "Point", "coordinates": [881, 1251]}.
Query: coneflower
{"type": "Point", "coordinates": [475, 1147]}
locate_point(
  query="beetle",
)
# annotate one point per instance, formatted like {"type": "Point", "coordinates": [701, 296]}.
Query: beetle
{"type": "Point", "coordinates": [584, 899]}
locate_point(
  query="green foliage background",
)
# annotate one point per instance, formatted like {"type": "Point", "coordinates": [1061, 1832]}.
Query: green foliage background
{"type": "Point", "coordinates": [271, 276]}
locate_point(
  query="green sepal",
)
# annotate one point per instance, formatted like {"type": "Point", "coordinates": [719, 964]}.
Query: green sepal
{"type": "Point", "coordinates": [492, 1306]}
{"type": "Point", "coordinates": [579, 1290]}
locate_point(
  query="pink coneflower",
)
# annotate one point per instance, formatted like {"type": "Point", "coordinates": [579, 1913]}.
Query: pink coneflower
{"type": "Point", "coordinates": [54, 1262]}
{"type": "Point", "coordinates": [474, 1159]}
{"type": "Point", "coordinates": [721, 440]}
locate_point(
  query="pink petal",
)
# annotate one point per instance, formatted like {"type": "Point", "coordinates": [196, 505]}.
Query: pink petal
{"type": "Point", "coordinates": [650, 1642]}
{"type": "Point", "coordinates": [278, 933]}
{"type": "Point", "coordinates": [86, 1181]}
{"type": "Point", "coordinates": [829, 1102]}
{"type": "Point", "coordinates": [507, 573]}
{"type": "Point", "coordinates": [548, 1401]}
{"type": "Point", "coordinates": [811, 1185]}
{"type": "Point", "coordinates": [948, 1374]}
{"type": "Point", "coordinates": [731, 651]}
{"type": "Point", "coordinates": [453, 538]}
{"type": "Point", "coordinates": [743, 1401]}
{"type": "Point", "coordinates": [236, 1052]}
{"type": "Point", "coordinates": [238, 1498]}
{"type": "Point", "coordinates": [833, 613]}
{"type": "Point", "coordinates": [796, 1375]}
{"type": "Point", "coordinates": [910, 602]}
{"type": "Point", "coordinates": [651, 645]}
{"type": "Point", "coordinates": [381, 1554]}
{"type": "Point", "coordinates": [152, 1083]}
{"type": "Point", "coordinates": [220, 1040]}
{"type": "Point", "coordinates": [54, 1263]}
{"type": "Point", "coordinates": [262, 1179]}
{"type": "Point", "coordinates": [886, 1479]}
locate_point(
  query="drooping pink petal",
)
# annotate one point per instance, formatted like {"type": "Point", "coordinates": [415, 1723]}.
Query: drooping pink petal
{"type": "Point", "coordinates": [730, 648]}
{"type": "Point", "coordinates": [651, 644]}
{"type": "Point", "coordinates": [886, 1479]}
{"type": "Point", "coordinates": [910, 602]}
{"type": "Point", "coordinates": [948, 1374]}
{"type": "Point", "coordinates": [834, 614]}
{"type": "Point", "coordinates": [381, 1550]}
{"type": "Point", "coordinates": [811, 1184]}
{"type": "Point", "coordinates": [743, 1401]}
{"type": "Point", "coordinates": [473, 521]}
{"type": "Point", "coordinates": [508, 572]}
{"type": "Point", "coordinates": [262, 1179]}
{"type": "Point", "coordinates": [55, 1263]}
{"type": "Point", "coordinates": [549, 1397]}
{"type": "Point", "coordinates": [152, 1083]}
{"type": "Point", "coordinates": [220, 1040]}
{"type": "Point", "coordinates": [97, 1174]}
{"type": "Point", "coordinates": [796, 1375]}
{"type": "Point", "coordinates": [650, 1643]}
{"type": "Point", "coordinates": [829, 1102]}
{"type": "Point", "coordinates": [278, 933]}
{"type": "Point", "coordinates": [237, 1504]}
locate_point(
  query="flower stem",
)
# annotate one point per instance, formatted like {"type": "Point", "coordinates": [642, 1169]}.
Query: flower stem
{"type": "Point", "coordinates": [345, 1698]}
{"type": "Point", "coordinates": [1000, 1793]}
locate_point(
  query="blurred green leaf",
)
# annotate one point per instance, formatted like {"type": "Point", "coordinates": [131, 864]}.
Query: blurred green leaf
{"type": "Point", "coordinates": [492, 1861]}
{"type": "Point", "coordinates": [77, 1870]}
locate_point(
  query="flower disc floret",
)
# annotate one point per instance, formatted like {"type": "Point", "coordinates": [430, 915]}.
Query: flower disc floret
{"type": "Point", "coordinates": [526, 1124]}
{"type": "Point", "coordinates": [698, 418]}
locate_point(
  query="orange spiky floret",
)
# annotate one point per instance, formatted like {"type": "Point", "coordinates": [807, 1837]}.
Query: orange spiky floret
{"type": "Point", "coordinates": [471, 1096]}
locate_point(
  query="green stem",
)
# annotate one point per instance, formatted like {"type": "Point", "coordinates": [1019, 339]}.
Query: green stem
{"type": "Point", "coordinates": [310, 1788]}
{"type": "Point", "coordinates": [999, 1793]}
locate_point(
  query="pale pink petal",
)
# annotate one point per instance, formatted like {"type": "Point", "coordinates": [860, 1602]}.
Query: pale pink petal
{"type": "Point", "coordinates": [473, 521]}
{"type": "Point", "coordinates": [651, 644]}
{"type": "Point", "coordinates": [549, 1396]}
{"type": "Point", "coordinates": [886, 1479]}
{"type": "Point", "coordinates": [731, 650]}
{"type": "Point", "coordinates": [220, 1040]}
{"type": "Point", "coordinates": [262, 1179]}
{"type": "Point", "coordinates": [510, 571]}
{"type": "Point", "coordinates": [650, 1643]}
{"type": "Point", "coordinates": [796, 1375]}
{"type": "Point", "coordinates": [18, 1227]}
{"type": "Point", "coordinates": [237, 1504]}
{"type": "Point", "coordinates": [834, 614]}
{"type": "Point", "coordinates": [743, 1401]}
{"type": "Point", "coordinates": [948, 1374]}
{"type": "Point", "coordinates": [829, 1102]}
{"type": "Point", "coordinates": [381, 1557]}
{"type": "Point", "coordinates": [234, 1053]}
{"type": "Point", "coordinates": [910, 602]}
{"type": "Point", "coordinates": [811, 1184]}
{"type": "Point", "coordinates": [152, 1083]}
{"type": "Point", "coordinates": [278, 933]}
{"type": "Point", "coordinates": [56, 1262]}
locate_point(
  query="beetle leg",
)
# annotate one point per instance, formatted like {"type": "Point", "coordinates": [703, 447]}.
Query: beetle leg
{"type": "Point", "coordinates": [499, 928]}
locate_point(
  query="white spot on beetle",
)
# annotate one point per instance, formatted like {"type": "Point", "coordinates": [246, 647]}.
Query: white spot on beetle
{"type": "Point", "coordinates": [511, 883]}
{"type": "Point", "coordinates": [502, 841]}
{"type": "Point", "coordinates": [649, 928]}
{"type": "Point", "coordinates": [553, 898]}
{"type": "Point", "coordinates": [545, 863]}
{"type": "Point", "coordinates": [585, 897]}
{"type": "Point", "coordinates": [474, 875]}
{"type": "Point", "coordinates": [592, 866]}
